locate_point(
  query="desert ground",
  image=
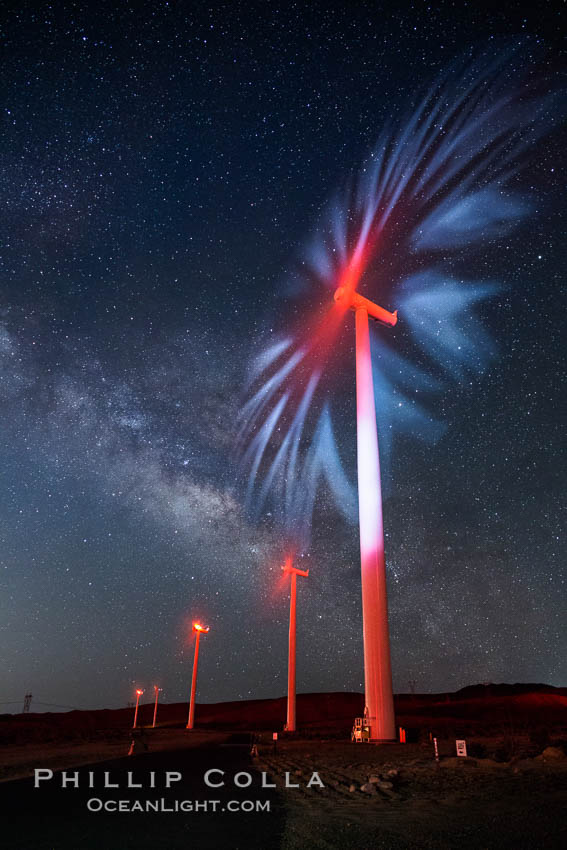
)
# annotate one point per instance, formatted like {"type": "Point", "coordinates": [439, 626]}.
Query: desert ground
{"type": "Point", "coordinates": [509, 792]}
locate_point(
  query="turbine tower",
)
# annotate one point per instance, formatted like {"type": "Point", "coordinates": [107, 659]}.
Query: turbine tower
{"type": "Point", "coordinates": [288, 568]}
{"type": "Point", "coordinates": [379, 700]}
{"type": "Point", "coordinates": [199, 630]}
{"type": "Point", "coordinates": [139, 693]}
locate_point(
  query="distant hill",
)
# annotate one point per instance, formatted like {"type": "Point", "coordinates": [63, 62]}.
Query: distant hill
{"type": "Point", "coordinates": [491, 689]}
{"type": "Point", "coordinates": [476, 708]}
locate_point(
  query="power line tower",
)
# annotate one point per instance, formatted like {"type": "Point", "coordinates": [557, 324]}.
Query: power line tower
{"type": "Point", "coordinates": [27, 703]}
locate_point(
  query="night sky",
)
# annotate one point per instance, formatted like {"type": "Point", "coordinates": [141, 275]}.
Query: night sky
{"type": "Point", "coordinates": [163, 166]}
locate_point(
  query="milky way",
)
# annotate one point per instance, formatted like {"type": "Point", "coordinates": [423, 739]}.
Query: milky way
{"type": "Point", "coordinates": [161, 171]}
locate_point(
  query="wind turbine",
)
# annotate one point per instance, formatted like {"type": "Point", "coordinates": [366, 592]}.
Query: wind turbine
{"type": "Point", "coordinates": [139, 693]}
{"type": "Point", "coordinates": [440, 186]}
{"type": "Point", "coordinates": [379, 700]}
{"type": "Point", "coordinates": [288, 568]}
{"type": "Point", "coordinates": [156, 691]}
{"type": "Point", "coordinates": [199, 630]}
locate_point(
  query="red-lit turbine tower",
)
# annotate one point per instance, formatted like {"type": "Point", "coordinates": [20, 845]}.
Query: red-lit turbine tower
{"type": "Point", "coordinates": [379, 698]}
{"type": "Point", "coordinates": [199, 630]}
{"type": "Point", "coordinates": [288, 568]}
{"type": "Point", "coordinates": [139, 693]}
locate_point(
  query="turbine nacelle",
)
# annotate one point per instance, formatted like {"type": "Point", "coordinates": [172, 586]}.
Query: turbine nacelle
{"type": "Point", "coordinates": [350, 299]}
{"type": "Point", "coordinates": [289, 568]}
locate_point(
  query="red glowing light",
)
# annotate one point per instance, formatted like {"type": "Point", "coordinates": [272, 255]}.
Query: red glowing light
{"type": "Point", "coordinates": [197, 627]}
{"type": "Point", "coordinates": [288, 566]}
{"type": "Point", "coordinates": [139, 692]}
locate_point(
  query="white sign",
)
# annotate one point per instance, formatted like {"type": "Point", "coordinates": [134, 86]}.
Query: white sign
{"type": "Point", "coordinates": [461, 748]}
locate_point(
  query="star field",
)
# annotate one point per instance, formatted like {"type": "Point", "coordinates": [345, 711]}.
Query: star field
{"type": "Point", "coordinates": [162, 166]}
